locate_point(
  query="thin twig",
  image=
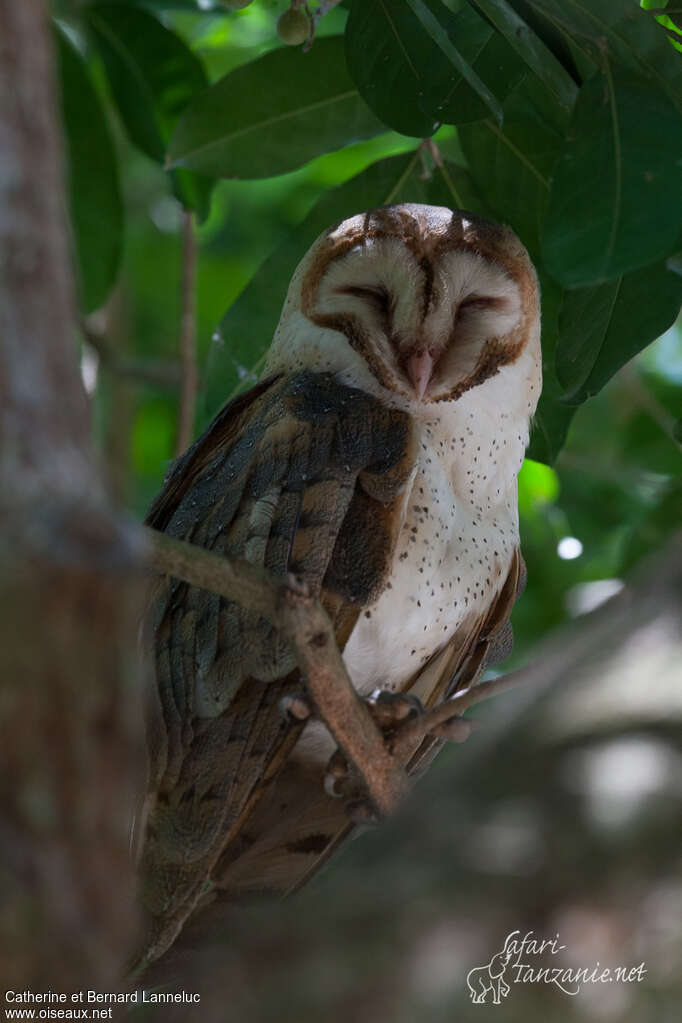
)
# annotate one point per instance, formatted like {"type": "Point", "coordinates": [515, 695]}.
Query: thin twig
{"type": "Point", "coordinates": [411, 733]}
{"type": "Point", "coordinates": [163, 374]}
{"type": "Point", "coordinates": [188, 357]}
{"type": "Point", "coordinates": [303, 621]}
{"type": "Point", "coordinates": [323, 7]}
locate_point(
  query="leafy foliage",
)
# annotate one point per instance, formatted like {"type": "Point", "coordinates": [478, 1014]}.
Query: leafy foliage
{"type": "Point", "coordinates": [615, 201]}
{"type": "Point", "coordinates": [92, 179]}
{"type": "Point", "coordinates": [152, 75]}
{"type": "Point", "coordinates": [562, 118]}
{"type": "Point", "coordinates": [242, 127]}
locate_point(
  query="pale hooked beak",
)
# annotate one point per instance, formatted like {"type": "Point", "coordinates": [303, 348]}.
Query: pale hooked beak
{"type": "Point", "coordinates": [419, 367]}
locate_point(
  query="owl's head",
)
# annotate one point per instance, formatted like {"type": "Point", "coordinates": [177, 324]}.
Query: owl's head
{"type": "Point", "coordinates": [433, 301]}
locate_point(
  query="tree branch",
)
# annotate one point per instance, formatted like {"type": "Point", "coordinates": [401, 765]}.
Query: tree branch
{"type": "Point", "coordinates": [164, 374]}
{"type": "Point", "coordinates": [411, 733]}
{"type": "Point", "coordinates": [70, 580]}
{"type": "Point", "coordinates": [499, 838]}
{"type": "Point", "coordinates": [304, 622]}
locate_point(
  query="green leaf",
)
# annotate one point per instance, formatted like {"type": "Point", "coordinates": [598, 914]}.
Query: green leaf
{"type": "Point", "coordinates": [512, 164]}
{"type": "Point", "coordinates": [442, 40]}
{"type": "Point", "coordinates": [603, 327]}
{"type": "Point", "coordinates": [531, 49]}
{"type": "Point", "coordinates": [570, 54]}
{"type": "Point", "coordinates": [496, 63]}
{"type": "Point", "coordinates": [621, 31]}
{"type": "Point", "coordinates": [616, 200]}
{"type": "Point", "coordinates": [92, 179]}
{"type": "Point", "coordinates": [153, 75]}
{"type": "Point", "coordinates": [274, 114]}
{"type": "Point", "coordinates": [552, 418]}
{"type": "Point", "coordinates": [411, 85]}
{"type": "Point", "coordinates": [247, 328]}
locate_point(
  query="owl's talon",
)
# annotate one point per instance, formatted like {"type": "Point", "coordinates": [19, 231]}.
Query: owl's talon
{"type": "Point", "coordinates": [456, 729]}
{"type": "Point", "coordinates": [363, 813]}
{"type": "Point", "coordinates": [296, 707]}
{"type": "Point", "coordinates": [336, 774]}
{"type": "Point", "coordinates": [392, 709]}
{"type": "Point", "coordinates": [298, 585]}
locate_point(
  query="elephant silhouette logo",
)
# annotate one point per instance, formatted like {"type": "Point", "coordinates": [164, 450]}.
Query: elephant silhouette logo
{"type": "Point", "coordinates": [483, 980]}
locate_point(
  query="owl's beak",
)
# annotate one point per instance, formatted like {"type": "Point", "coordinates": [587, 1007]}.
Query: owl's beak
{"type": "Point", "coordinates": [419, 367]}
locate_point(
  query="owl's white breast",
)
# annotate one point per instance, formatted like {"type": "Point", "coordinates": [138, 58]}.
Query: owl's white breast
{"type": "Point", "coordinates": [460, 518]}
{"type": "Point", "coordinates": [457, 538]}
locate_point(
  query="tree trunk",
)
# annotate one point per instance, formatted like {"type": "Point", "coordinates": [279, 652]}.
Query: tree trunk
{"type": "Point", "coordinates": [69, 581]}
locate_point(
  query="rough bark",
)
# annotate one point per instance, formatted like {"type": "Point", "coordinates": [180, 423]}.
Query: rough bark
{"type": "Point", "coordinates": [69, 579]}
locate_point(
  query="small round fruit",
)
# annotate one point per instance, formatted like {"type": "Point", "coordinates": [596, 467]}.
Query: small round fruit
{"type": "Point", "coordinates": [293, 27]}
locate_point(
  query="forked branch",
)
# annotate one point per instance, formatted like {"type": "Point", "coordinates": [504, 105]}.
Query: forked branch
{"type": "Point", "coordinates": [303, 621]}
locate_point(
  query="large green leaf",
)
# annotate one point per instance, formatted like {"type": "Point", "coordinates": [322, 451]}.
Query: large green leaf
{"type": "Point", "coordinates": [571, 56]}
{"type": "Point", "coordinates": [512, 167]}
{"type": "Point", "coordinates": [249, 324]}
{"type": "Point", "coordinates": [153, 75]}
{"type": "Point", "coordinates": [552, 418]}
{"type": "Point", "coordinates": [441, 37]}
{"type": "Point", "coordinates": [92, 179]}
{"type": "Point", "coordinates": [274, 114]}
{"type": "Point", "coordinates": [623, 32]}
{"type": "Point", "coordinates": [616, 196]}
{"type": "Point", "coordinates": [512, 164]}
{"type": "Point", "coordinates": [413, 84]}
{"type": "Point", "coordinates": [531, 49]}
{"type": "Point", "coordinates": [602, 327]}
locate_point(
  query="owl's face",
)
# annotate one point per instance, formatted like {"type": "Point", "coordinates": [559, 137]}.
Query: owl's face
{"type": "Point", "coordinates": [434, 301]}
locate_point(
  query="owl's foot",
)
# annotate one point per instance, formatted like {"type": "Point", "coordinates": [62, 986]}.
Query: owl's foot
{"type": "Point", "coordinates": [455, 729]}
{"type": "Point", "coordinates": [389, 711]}
{"type": "Point", "coordinates": [296, 707]}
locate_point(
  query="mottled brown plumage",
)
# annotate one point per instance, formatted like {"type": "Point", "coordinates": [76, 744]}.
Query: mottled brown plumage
{"type": "Point", "coordinates": [281, 478]}
{"type": "Point", "coordinates": [378, 461]}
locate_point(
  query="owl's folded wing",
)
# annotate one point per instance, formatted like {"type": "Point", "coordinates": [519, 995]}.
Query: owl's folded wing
{"type": "Point", "coordinates": [300, 475]}
{"type": "Point", "coordinates": [284, 851]}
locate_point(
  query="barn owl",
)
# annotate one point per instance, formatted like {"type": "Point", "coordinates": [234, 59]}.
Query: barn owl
{"type": "Point", "coordinates": [377, 459]}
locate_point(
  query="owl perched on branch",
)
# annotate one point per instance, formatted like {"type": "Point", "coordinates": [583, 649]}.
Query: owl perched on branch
{"type": "Point", "coordinates": [377, 460]}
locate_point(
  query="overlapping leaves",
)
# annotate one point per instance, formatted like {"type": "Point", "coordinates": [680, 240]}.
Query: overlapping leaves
{"type": "Point", "coordinates": [92, 179]}
{"type": "Point", "coordinates": [274, 114]}
{"type": "Point", "coordinates": [568, 114]}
